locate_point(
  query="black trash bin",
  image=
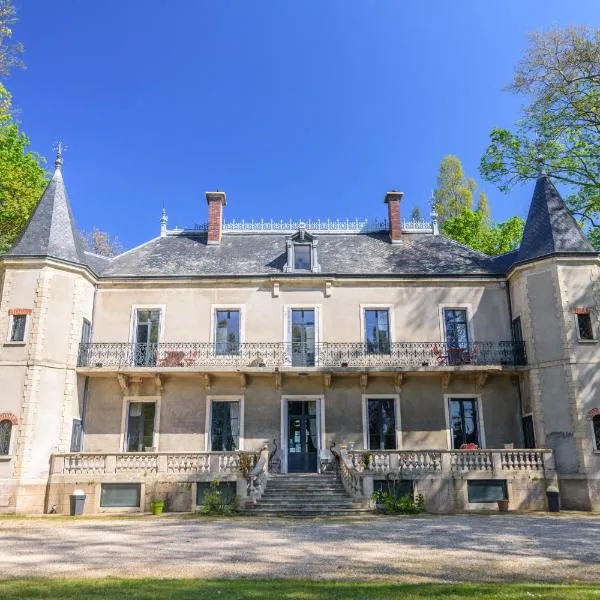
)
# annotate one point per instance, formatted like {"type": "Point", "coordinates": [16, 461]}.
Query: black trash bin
{"type": "Point", "coordinates": [553, 496]}
{"type": "Point", "coordinates": [77, 502]}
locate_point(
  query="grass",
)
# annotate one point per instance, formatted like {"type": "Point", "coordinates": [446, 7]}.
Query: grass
{"type": "Point", "coordinates": [281, 589]}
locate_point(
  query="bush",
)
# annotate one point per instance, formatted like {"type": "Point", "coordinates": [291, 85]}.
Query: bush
{"type": "Point", "coordinates": [214, 503]}
{"type": "Point", "coordinates": [403, 505]}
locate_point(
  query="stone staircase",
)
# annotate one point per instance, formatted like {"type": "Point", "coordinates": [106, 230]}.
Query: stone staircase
{"type": "Point", "coordinates": [307, 495]}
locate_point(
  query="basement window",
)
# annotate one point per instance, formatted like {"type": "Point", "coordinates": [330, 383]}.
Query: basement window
{"type": "Point", "coordinates": [120, 495]}
{"type": "Point", "coordinates": [487, 490]}
{"type": "Point", "coordinates": [228, 490]}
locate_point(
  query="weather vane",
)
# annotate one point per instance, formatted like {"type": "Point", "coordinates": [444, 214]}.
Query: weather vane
{"type": "Point", "coordinates": [59, 147]}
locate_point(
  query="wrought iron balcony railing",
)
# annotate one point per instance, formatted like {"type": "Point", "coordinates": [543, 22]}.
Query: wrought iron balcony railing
{"type": "Point", "coordinates": [278, 354]}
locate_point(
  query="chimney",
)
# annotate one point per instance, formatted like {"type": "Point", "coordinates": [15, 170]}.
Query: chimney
{"type": "Point", "coordinates": [392, 199]}
{"type": "Point", "coordinates": [216, 201]}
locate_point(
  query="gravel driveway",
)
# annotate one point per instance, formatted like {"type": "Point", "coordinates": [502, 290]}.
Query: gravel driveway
{"type": "Point", "coordinates": [412, 549]}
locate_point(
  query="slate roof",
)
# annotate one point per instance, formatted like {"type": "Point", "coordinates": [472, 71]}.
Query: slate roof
{"type": "Point", "coordinates": [265, 254]}
{"type": "Point", "coordinates": [51, 230]}
{"type": "Point", "coordinates": [550, 227]}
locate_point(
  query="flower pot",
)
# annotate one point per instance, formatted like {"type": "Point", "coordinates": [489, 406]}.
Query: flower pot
{"type": "Point", "coordinates": [157, 507]}
{"type": "Point", "coordinates": [503, 505]}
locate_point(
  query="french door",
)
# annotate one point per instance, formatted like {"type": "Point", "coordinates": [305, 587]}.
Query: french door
{"type": "Point", "coordinates": [302, 436]}
{"type": "Point", "coordinates": [303, 337]}
{"type": "Point", "coordinates": [147, 327]}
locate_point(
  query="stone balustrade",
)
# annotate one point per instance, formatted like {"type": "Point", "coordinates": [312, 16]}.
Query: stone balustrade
{"type": "Point", "coordinates": [148, 463]}
{"type": "Point", "coordinates": [418, 462]}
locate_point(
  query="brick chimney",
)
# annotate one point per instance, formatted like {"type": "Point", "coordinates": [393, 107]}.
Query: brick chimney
{"type": "Point", "coordinates": [216, 201]}
{"type": "Point", "coordinates": [392, 199]}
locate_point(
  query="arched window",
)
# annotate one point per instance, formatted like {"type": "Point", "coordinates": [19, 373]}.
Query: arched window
{"type": "Point", "coordinates": [596, 426]}
{"type": "Point", "coordinates": [5, 431]}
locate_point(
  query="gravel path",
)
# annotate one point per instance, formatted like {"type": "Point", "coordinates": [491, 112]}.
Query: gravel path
{"type": "Point", "coordinates": [412, 549]}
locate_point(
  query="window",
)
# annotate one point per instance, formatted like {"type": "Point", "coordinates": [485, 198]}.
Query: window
{"type": "Point", "coordinates": [17, 330]}
{"type": "Point", "coordinates": [86, 332]}
{"type": "Point", "coordinates": [303, 336]}
{"type": "Point", "coordinates": [5, 433]}
{"type": "Point", "coordinates": [377, 331]}
{"type": "Point", "coordinates": [76, 436]}
{"type": "Point", "coordinates": [464, 422]}
{"type": "Point", "coordinates": [225, 426]}
{"type": "Point", "coordinates": [140, 426]}
{"type": "Point", "coordinates": [595, 425]}
{"type": "Point", "coordinates": [381, 423]}
{"type": "Point", "coordinates": [585, 329]}
{"type": "Point", "coordinates": [84, 347]}
{"type": "Point", "coordinates": [228, 490]}
{"type": "Point", "coordinates": [487, 490]}
{"type": "Point", "coordinates": [528, 432]}
{"type": "Point", "coordinates": [302, 258]}
{"type": "Point", "coordinates": [457, 331]}
{"type": "Point", "coordinates": [120, 495]}
{"type": "Point", "coordinates": [397, 487]}
{"type": "Point", "coordinates": [147, 330]}
{"type": "Point", "coordinates": [301, 252]}
{"type": "Point", "coordinates": [457, 335]}
{"type": "Point", "coordinates": [519, 345]}
{"type": "Point", "coordinates": [227, 332]}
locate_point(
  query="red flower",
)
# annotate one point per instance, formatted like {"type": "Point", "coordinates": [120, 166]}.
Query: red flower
{"type": "Point", "coordinates": [470, 446]}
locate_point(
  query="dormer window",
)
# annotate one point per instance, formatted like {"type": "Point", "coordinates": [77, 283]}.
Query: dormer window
{"type": "Point", "coordinates": [302, 253]}
{"type": "Point", "coordinates": [302, 259]}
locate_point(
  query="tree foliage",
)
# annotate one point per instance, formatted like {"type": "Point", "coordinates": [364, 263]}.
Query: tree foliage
{"type": "Point", "coordinates": [101, 242]}
{"type": "Point", "coordinates": [560, 127]}
{"type": "Point", "coordinates": [473, 227]}
{"type": "Point", "coordinates": [10, 53]}
{"type": "Point", "coordinates": [415, 215]}
{"type": "Point", "coordinates": [454, 191]}
{"type": "Point", "coordinates": [22, 181]}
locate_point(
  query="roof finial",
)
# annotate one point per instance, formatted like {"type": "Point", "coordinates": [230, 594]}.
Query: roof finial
{"type": "Point", "coordinates": [163, 222]}
{"type": "Point", "coordinates": [59, 148]}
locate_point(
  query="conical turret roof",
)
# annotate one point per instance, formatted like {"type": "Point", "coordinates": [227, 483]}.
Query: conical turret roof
{"type": "Point", "coordinates": [51, 230]}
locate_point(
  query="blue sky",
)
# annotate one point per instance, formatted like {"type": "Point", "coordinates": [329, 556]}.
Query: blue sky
{"type": "Point", "coordinates": [299, 109]}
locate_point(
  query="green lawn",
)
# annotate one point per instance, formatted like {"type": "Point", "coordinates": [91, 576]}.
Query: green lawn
{"type": "Point", "coordinates": [280, 589]}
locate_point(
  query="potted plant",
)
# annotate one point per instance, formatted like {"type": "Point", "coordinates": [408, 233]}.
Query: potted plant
{"type": "Point", "coordinates": [157, 504]}
{"type": "Point", "coordinates": [157, 507]}
{"type": "Point", "coordinates": [365, 460]}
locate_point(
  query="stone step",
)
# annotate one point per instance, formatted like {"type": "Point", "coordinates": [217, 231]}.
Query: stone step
{"type": "Point", "coordinates": [311, 490]}
{"type": "Point", "coordinates": [309, 513]}
{"type": "Point", "coordinates": [306, 495]}
{"type": "Point", "coordinates": [308, 504]}
{"type": "Point", "coordinates": [282, 496]}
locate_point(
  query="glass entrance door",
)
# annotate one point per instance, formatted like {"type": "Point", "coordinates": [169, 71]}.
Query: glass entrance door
{"type": "Point", "coordinates": [302, 437]}
{"type": "Point", "coordinates": [303, 337]}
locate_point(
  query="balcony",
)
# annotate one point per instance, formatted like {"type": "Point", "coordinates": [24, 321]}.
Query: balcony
{"type": "Point", "coordinates": [279, 355]}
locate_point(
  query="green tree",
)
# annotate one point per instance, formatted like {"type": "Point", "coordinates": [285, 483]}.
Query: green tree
{"type": "Point", "coordinates": [454, 191]}
{"type": "Point", "coordinates": [415, 215]}
{"type": "Point", "coordinates": [560, 126]}
{"type": "Point", "coordinates": [10, 53]}
{"type": "Point", "coordinates": [473, 227]}
{"type": "Point", "coordinates": [22, 180]}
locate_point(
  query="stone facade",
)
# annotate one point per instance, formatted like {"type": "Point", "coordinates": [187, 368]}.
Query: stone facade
{"type": "Point", "coordinates": [71, 396]}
